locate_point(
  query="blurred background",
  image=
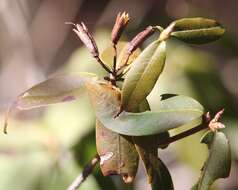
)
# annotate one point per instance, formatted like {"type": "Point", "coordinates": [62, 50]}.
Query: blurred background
{"type": "Point", "coordinates": [47, 147]}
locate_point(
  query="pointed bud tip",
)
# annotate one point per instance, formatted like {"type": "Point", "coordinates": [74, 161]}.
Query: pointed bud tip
{"type": "Point", "coordinates": [219, 115]}
{"type": "Point", "coordinates": [125, 16]}
{"type": "Point", "coordinates": [84, 26]}
{"type": "Point", "coordinates": [82, 31]}
{"type": "Point", "coordinates": [214, 124]}
{"type": "Point", "coordinates": [119, 26]}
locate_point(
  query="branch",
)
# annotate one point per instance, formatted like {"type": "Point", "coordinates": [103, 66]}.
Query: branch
{"type": "Point", "coordinates": [114, 58]}
{"type": "Point", "coordinates": [119, 71]}
{"type": "Point", "coordinates": [184, 134]}
{"type": "Point", "coordinates": [207, 123]}
{"type": "Point", "coordinates": [86, 172]}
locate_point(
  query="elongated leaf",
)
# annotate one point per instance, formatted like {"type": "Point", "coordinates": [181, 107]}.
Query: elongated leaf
{"type": "Point", "coordinates": [218, 164]}
{"type": "Point", "coordinates": [143, 75]}
{"type": "Point", "coordinates": [61, 88]}
{"type": "Point", "coordinates": [117, 152]}
{"type": "Point", "coordinates": [162, 178]}
{"type": "Point", "coordinates": [147, 148]}
{"type": "Point", "coordinates": [174, 112]}
{"type": "Point", "coordinates": [197, 30]}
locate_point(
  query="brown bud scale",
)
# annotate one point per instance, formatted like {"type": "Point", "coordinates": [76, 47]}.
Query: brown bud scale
{"type": "Point", "coordinates": [119, 26]}
{"type": "Point", "coordinates": [139, 39]}
{"type": "Point", "coordinates": [82, 31]}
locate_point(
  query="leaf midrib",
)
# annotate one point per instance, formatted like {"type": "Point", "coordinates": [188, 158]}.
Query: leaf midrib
{"type": "Point", "coordinates": [197, 30]}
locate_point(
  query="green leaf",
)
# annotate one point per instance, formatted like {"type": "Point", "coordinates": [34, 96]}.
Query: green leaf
{"type": "Point", "coordinates": [197, 30]}
{"type": "Point", "coordinates": [162, 178]}
{"type": "Point", "coordinates": [147, 147]}
{"type": "Point", "coordinates": [62, 88]}
{"type": "Point", "coordinates": [143, 75]}
{"type": "Point", "coordinates": [174, 112]}
{"type": "Point", "coordinates": [218, 164]}
{"type": "Point", "coordinates": [117, 152]}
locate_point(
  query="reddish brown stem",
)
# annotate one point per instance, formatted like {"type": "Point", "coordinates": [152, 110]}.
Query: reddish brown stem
{"type": "Point", "coordinates": [114, 58]}
{"type": "Point", "coordinates": [184, 134]}
{"type": "Point", "coordinates": [103, 65]}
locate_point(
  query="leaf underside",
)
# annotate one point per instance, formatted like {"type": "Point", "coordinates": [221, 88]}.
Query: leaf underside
{"type": "Point", "coordinates": [62, 88]}
{"type": "Point", "coordinates": [218, 163]}
{"type": "Point", "coordinates": [163, 179]}
{"type": "Point", "coordinates": [174, 112]}
{"type": "Point", "coordinates": [197, 30]}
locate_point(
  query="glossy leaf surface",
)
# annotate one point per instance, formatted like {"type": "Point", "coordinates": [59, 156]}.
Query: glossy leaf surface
{"type": "Point", "coordinates": [174, 112]}
{"type": "Point", "coordinates": [218, 164]}
{"type": "Point", "coordinates": [143, 75]}
{"type": "Point", "coordinates": [197, 30]}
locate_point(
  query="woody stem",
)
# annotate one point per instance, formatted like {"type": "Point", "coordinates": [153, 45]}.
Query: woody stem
{"type": "Point", "coordinates": [114, 58]}
{"type": "Point", "coordinates": [203, 125]}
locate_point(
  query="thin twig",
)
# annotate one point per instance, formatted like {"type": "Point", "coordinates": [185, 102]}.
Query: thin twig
{"type": "Point", "coordinates": [86, 172]}
{"type": "Point", "coordinates": [206, 124]}
{"type": "Point", "coordinates": [103, 65]}
{"type": "Point", "coordinates": [120, 69]}
{"type": "Point", "coordinates": [114, 58]}
{"type": "Point", "coordinates": [184, 134]}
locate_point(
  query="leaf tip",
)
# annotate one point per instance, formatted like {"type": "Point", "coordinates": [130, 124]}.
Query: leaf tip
{"type": "Point", "coordinates": [5, 128]}
{"type": "Point", "coordinates": [7, 114]}
{"type": "Point", "coordinates": [6, 117]}
{"type": "Point", "coordinates": [119, 112]}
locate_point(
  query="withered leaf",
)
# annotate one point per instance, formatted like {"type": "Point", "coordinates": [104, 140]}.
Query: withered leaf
{"type": "Point", "coordinates": [117, 152]}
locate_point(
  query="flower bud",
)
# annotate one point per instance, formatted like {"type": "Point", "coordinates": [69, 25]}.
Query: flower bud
{"type": "Point", "coordinates": [120, 24]}
{"type": "Point", "coordinates": [82, 31]}
{"type": "Point", "coordinates": [215, 124]}
{"type": "Point", "coordinates": [139, 39]}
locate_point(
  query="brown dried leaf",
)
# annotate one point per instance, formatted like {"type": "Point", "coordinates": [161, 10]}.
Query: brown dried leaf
{"type": "Point", "coordinates": [117, 153]}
